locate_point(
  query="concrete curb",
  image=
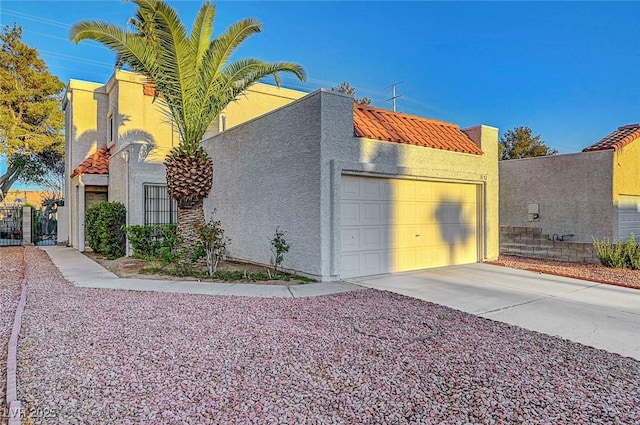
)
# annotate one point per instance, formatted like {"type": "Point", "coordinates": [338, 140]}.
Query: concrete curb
{"type": "Point", "coordinates": [82, 271]}
{"type": "Point", "coordinates": [13, 403]}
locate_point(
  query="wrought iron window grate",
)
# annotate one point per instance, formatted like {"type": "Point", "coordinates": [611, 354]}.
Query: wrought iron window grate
{"type": "Point", "coordinates": [159, 207]}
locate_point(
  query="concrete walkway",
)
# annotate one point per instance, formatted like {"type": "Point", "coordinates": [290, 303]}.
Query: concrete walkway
{"type": "Point", "coordinates": [598, 315]}
{"type": "Point", "coordinates": [82, 271]}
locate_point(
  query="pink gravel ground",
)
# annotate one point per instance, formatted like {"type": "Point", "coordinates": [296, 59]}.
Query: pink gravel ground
{"type": "Point", "coordinates": [594, 272]}
{"type": "Point", "coordinates": [91, 356]}
{"type": "Point", "coordinates": [10, 279]}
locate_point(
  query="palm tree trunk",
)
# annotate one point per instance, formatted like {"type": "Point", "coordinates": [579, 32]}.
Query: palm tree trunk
{"type": "Point", "coordinates": [188, 220]}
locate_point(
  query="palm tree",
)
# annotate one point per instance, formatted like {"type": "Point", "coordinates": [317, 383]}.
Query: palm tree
{"type": "Point", "coordinates": [193, 79]}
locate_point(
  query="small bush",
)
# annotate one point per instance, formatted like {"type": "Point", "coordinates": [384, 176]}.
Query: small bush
{"type": "Point", "coordinates": [279, 247]}
{"type": "Point", "coordinates": [213, 242]}
{"type": "Point", "coordinates": [618, 254]}
{"type": "Point", "coordinates": [153, 241]}
{"type": "Point", "coordinates": [104, 224]}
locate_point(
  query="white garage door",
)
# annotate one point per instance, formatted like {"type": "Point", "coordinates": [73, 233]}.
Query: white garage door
{"type": "Point", "coordinates": [390, 225]}
{"type": "Point", "coordinates": [628, 216]}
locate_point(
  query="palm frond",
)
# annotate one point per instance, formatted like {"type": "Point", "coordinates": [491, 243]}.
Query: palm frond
{"type": "Point", "coordinates": [202, 30]}
{"type": "Point", "coordinates": [129, 48]}
{"type": "Point", "coordinates": [223, 46]}
{"type": "Point", "coordinates": [190, 71]}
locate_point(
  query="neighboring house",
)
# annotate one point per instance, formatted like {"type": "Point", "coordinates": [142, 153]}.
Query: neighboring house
{"type": "Point", "coordinates": [117, 137]}
{"type": "Point", "coordinates": [576, 197]}
{"type": "Point", "coordinates": [358, 190]}
{"type": "Point", "coordinates": [22, 196]}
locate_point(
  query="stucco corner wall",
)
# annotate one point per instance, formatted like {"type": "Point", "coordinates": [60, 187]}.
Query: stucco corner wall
{"type": "Point", "coordinates": [573, 193]}
{"type": "Point", "coordinates": [267, 175]}
{"type": "Point", "coordinates": [486, 137]}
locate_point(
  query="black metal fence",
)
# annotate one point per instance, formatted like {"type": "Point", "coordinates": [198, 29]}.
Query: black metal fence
{"type": "Point", "coordinates": [10, 225]}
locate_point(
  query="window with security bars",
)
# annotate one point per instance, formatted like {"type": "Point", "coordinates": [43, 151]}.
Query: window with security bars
{"type": "Point", "coordinates": [159, 207]}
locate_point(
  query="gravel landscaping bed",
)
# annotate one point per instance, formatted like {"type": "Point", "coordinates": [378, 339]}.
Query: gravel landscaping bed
{"type": "Point", "coordinates": [594, 272]}
{"type": "Point", "coordinates": [91, 356]}
{"type": "Point", "coordinates": [11, 277]}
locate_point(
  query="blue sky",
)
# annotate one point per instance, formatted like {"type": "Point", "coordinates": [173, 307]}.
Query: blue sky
{"type": "Point", "coordinates": [570, 71]}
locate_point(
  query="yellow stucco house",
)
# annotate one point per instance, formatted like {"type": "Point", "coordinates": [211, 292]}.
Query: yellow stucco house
{"type": "Point", "coordinates": [359, 190]}
{"type": "Point", "coordinates": [116, 140]}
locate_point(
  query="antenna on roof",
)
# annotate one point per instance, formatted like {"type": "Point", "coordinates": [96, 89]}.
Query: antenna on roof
{"type": "Point", "coordinates": [394, 96]}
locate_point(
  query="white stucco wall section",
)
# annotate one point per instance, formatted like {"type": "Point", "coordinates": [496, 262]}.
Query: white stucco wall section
{"type": "Point", "coordinates": [284, 169]}
{"type": "Point", "coordinates": [266, 173]}
{"type": "Point", "coordinates": [573, 191]}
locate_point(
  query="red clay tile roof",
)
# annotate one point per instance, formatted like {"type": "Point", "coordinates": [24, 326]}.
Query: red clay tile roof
{"type": "Point", "coordinates": [98, 163]}
{"type": "Point", "coordinates": [149, 89]}
{"type": "Point", "coordinates": [619, 138]}
{"type": "Point", "coordinates": [380, 124]}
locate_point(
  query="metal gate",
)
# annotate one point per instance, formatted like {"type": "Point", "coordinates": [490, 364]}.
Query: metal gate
{"type": "Point", "coordinates": [10, 225]}
{"type": "Point", "coordinates": [44, 224]}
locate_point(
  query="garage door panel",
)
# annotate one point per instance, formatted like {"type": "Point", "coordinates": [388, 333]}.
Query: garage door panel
{"type": "Point", "coordinates": [350, 240]}
{"type": "Point", "coordinates": [405, 213]}
{"type": "Point", "coordinates": [404, 259]}
{"type": "Point", "coordinates": [372, 239]}
{"type": "Point", "coordinates": [351, 264]}
{"type": "Point", "coordinates": [425, 212]}
{"type": "Point", "coordinates": [628, 216]}
{"type": "Point", "coordinates": [370, 214]}
{"type": "Point", "coordinates": [350, 213]}
{"type": "Point", "coordinates": [373, 262]}
{"type": "Point", "coordinates": [424, 192]}
{"type": "Point", "coordinates": [371, 190]}
{"type": "Point", "coordinates": [405, 190]}
{"type": "Point", "coordinates": [457, 234]}
{"type": "Point", "coordinates": [350, 189]}
{"type": "Point", "coordinates": [406, 225]}
{"type": "Point", "coordinates": [404, 236]}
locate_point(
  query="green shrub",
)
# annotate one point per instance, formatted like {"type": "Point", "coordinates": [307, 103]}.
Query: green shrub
{"type": "Point", "coordinates": [279, 247]}
{"type": "Point", "coordinates": [153, 241]}
{"type": "Point", "coordinates": [213, 242]}
{"type": "Point", "coordinates": [632, 251]}
{"type": "Point", "coordinates": [104, 224]}
{"type": "Point", "coordinates": [618, 254]}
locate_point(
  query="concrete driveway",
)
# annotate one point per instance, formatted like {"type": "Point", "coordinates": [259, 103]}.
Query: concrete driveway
{"type": "Point", "coordinates": [602, 316]}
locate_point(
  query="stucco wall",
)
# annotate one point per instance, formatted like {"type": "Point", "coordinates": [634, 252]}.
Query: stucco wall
{"type": "Point", "coordinates": [285, 168]}
{"type": "Point", "coordinates": [141, 119]}
{"type": "Point", "coordinates": [257, 100]}
{"type": "Point", "coordinates": [626, 170]}
{"type": "Point", "coordinates": [266, 173]}
{"type": "Point", "coordinates": [84, 133]}
{"type": "Point", "coordinates": [573, 191]}
{"type": "Point", "coordinates": [128, 173]}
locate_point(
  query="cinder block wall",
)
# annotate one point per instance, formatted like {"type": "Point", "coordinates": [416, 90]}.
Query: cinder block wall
{"type": "Point", "coordinates": [530, 242]}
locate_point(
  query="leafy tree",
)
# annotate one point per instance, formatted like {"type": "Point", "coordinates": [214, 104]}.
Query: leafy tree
{"type": "Point", "coordinates": [31, 121]}
{"type": "Point", "coordinates": [521, 143]}
{"type": "Point", "coordinates": [195, 81]}
{"type": "Point", "coordinates": [347, 88]}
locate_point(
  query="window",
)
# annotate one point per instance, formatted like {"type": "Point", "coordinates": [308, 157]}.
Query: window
{"type": "Point", "coordinates": [159, 208]}
{"type": "Point", "coordinates": [111, 128]}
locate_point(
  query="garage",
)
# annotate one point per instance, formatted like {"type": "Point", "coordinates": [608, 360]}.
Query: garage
{"type": "Point", "coordinates": [394, 224]}
{"type": "Point", "coordinates": [628, 216]}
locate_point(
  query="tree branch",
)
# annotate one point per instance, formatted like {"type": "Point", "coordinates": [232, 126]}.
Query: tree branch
{"type": "Point", "coordinates": [7, 180]}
